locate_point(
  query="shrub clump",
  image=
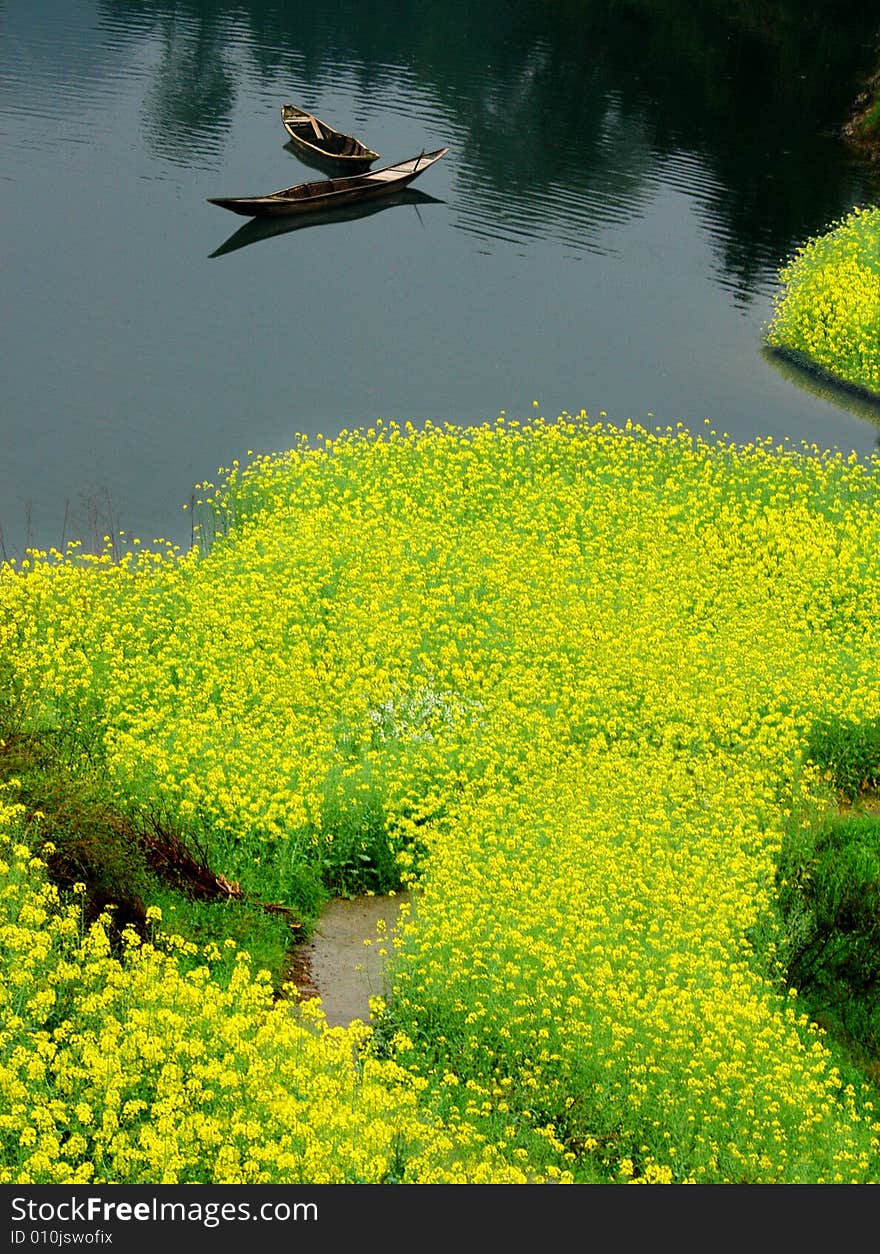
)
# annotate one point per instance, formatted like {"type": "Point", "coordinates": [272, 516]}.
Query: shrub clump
{"type": "Point", "coordinates": [830, 898]}
{"type": "Point", "coordinates": [849, 751]}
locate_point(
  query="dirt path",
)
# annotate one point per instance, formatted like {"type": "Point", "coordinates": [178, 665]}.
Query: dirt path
{"type": "Point", "coordinates": [337, 966]}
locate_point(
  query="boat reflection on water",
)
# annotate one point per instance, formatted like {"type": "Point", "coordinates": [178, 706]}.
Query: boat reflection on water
{"type": "Point", "coordinates": [265, 228]}
{"type": "Point", "coordinates": [798, 369]}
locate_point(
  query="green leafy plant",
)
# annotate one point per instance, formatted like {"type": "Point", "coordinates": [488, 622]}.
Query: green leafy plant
{"type": "Point", "coordinates": [830, 902]}
{"type": "Point", "coordinates": [356, 855]}
{"type": "Point", "coordinates": [849, 750]}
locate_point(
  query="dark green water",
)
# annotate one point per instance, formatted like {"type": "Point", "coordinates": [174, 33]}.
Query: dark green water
{"type": "Point", "coordinates": [622, 182]}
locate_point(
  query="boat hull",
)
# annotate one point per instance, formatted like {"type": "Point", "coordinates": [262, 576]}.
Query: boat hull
{"type": "Point", "coordinates": [257, 229]}
{"type": "Point", "coordinates": [328, 193]}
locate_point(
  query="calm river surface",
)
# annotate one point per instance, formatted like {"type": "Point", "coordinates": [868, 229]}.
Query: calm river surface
{"type": "Point", "coordinates": [623, 180]}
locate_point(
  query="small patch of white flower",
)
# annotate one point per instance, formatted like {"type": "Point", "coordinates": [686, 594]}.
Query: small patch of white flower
{"type": "Point", "coordinates": [416, 715]}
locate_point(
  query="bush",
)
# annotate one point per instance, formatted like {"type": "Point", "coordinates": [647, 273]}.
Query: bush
{"type": "Point", "coordinates": [830, 898]}
{"type": "Point", "coordinates": [849, 750]}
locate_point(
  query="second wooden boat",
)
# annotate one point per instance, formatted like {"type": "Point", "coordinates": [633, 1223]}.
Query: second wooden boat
{"type": "Point", "coordinates": [317, 138]}
{"type": "Point", "coordinates": [327, 193]}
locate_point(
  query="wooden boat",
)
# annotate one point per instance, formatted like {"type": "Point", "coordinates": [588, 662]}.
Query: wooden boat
{"type": "Point", "coordinates": [317, 138]}
{"type": "Point", "coordinates": [328, 193]}
{"type": "Point", "coordinates": [256, 229]}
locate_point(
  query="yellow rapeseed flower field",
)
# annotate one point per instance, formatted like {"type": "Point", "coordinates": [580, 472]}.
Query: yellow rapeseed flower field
{"type": "Point", "coordinates": [562, 674]}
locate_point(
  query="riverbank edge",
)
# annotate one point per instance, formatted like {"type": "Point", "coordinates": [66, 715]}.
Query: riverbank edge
{"type": "Point", "coordinates": [862, 128]}
{"type": "Point", "coordinates": [797, 357]}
